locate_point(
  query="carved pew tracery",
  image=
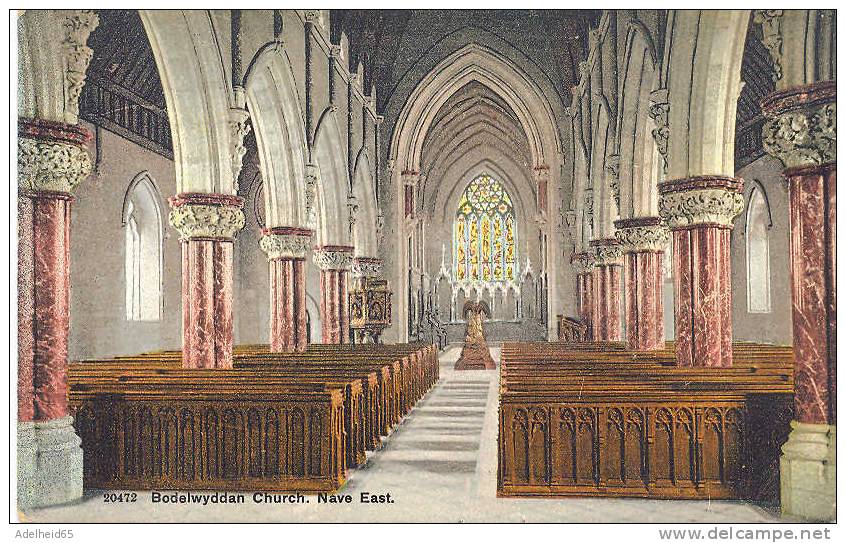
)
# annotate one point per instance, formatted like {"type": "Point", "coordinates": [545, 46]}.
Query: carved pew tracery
{"type": "Point", "coordinates": [589, 422]}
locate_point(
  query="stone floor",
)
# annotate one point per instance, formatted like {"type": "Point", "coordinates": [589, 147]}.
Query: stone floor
{"type": "Point", "coordinates": [438, 466]}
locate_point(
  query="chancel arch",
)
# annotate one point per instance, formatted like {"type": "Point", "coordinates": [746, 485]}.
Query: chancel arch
{"type": "Point", "coordinates": [489, 108]}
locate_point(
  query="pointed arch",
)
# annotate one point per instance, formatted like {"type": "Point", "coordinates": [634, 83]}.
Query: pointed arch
{"type": "Point", "coordinates": [705, 54]}
{"type": "Point", "coordinates": [502, 76]}
{"type": "Point", "coordinates": [142, 220]}
{"type": "Point", "coordinates": [485, 233]}
{"type": "Point", "coordinates": [329, 155]}
{"type": "Point", "coordinates": [364, 232]}
{"type": "Point", "coordinates": [639, 173]}
{"type": "Point", "coordinates": [758, 226]}
{"type": "Point", "coordinates": [280, 135]}
{"type": "Point", "coordinates": [198, 97]}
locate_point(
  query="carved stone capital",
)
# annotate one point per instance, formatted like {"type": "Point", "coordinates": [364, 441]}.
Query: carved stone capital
{"type": "Point", "coordinates": [78, 24]}
{"type": "Point", "coordinates": [411, 178]}
{"type": "Point", "coordinates": [582, 262]}
{"type": "Point", "coordinates": [706, 200]}
{"type": "Point", "coordinates": [642, 234]}
{"type": "Point", "coordinates": [52, 156]}
{"type": "Point", "coordinates": [285, 242]}
{"type": "Point", "coordinates": [200, 215]}
{"type": "Point", "coordinates": [801, 127]}
{"type": "Point", "coordinates": [333, 257]}
{"type": "Point", "coordinates": [366, 267]}
{"type": "Point", "coordinates": [606, 252]}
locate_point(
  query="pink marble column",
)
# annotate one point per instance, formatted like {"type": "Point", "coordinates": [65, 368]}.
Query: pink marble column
{"type": "Point", "coordinates": [52, 160]}
{"type": "Point", "coordinates": [607, 285]}
{"type": "Point", "coordinates": [583, 266]}
{"type": "Point", "coordinates": [334, 262]}
{"type": "Point", "coordinates": [700, 212]}
{"type": "Point", "coordinates": [207, 224]}
{"type": "Point", "coordinates": [643, 240]}
{"type": "Point", "coordinates": [286, 249]}
{"type": "Point", "coordinates": [801, 133]}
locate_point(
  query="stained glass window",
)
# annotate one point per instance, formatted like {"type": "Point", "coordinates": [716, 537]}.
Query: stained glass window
{"type": "Point", "coordinates": [485, 233]}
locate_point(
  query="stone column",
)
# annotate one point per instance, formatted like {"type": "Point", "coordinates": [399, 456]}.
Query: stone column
{"type": "Point", "coordinates": [334, 262]}
{"type": "Point", "coordinates": [700, 212]}
{"type": "Point", "coordinates": [286, 249]}
{"type": "Point", "coordinates": [52, 160]}
{"type": "Point", "coordinates": [607, 279]}
{"type": "Point", "coordinates": [801, 132]}
{"type": "Point", "coordinates": [583, 267]}
{"type": "Point", "coordinates": [643, 240]}
{"type": "Point", "coordinates": [207, 224]}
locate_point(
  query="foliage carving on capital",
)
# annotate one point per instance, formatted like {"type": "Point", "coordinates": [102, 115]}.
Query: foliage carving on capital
{"type": "Point", "coordinates": [285, 245]}
{"type": "Point", "coordinates": [78, 24]}
{"type": "Point", "coordinates": [606, 252]}
{"type": "Point", "coordinates": [51, 165]}
{"type": "Point", "coordinates": [643, 238]}
{"type": "Point", "coordinates": [803, 137]}
{"type": "Point", "coordinates": [333, 259]}
{"type": "Point", "coordinates": [366, 267]}
{"type": "Point", "coordinates": [206, 221]}
{"type": "Point", "coordinates": [770, 21]}
{"type": "Point", "coordinates": [700, 206]}
{"type": "Point", "coordinates": [582, 262]}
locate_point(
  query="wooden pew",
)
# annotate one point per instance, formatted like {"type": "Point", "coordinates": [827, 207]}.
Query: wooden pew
{"type": "Point", "coordinates": [372, 387]}
{"type": "Point", "coordinates": [583, 420]}
{"type": "Point", "coordinates": [188, 436]}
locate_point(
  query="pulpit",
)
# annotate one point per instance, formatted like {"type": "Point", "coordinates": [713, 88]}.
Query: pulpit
{"type": "Point", "coordinates": [370, 310]}
{"type": "Point", "coordinates": [475, 354]}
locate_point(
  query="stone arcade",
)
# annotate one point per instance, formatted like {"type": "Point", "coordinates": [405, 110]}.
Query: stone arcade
{"type": "Point", "coordinates": [245, 239]}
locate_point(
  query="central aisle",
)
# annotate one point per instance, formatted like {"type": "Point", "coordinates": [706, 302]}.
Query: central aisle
{"type": "Point", "coordinates": [439, 465]}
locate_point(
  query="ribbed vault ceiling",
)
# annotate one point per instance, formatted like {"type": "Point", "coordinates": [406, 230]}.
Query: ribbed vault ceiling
{"type": "Point", "coordinates": [473, 120]}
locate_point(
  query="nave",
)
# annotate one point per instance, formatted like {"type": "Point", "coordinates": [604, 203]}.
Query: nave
{"type": "Point", "coordinates": [444, 453]}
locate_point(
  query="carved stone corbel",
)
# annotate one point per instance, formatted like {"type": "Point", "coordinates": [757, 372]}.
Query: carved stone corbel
{"type": "Point", "coordinates": [659, 112]}
{"type": "Point", "coordinates": [770, 21]}
{"type": "Point", "coordinates": [78, 24]}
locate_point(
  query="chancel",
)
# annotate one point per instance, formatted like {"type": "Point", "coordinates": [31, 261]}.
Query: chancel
{"type": "Point", "coordinates": [255, 247]}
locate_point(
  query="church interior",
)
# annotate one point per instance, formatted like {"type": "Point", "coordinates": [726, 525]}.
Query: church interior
{"type": "Point", "coordinates": [467, 258]}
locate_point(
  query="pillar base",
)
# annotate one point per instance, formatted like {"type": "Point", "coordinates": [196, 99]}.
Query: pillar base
{"type": "Point", "coordinates": [809, 472]}
{"type": "Point", "coordinates": [49, 463]}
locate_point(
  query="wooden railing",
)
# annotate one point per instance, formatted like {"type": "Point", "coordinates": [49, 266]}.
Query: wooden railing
{"type": "Point", "coordinates": [122, 112]}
